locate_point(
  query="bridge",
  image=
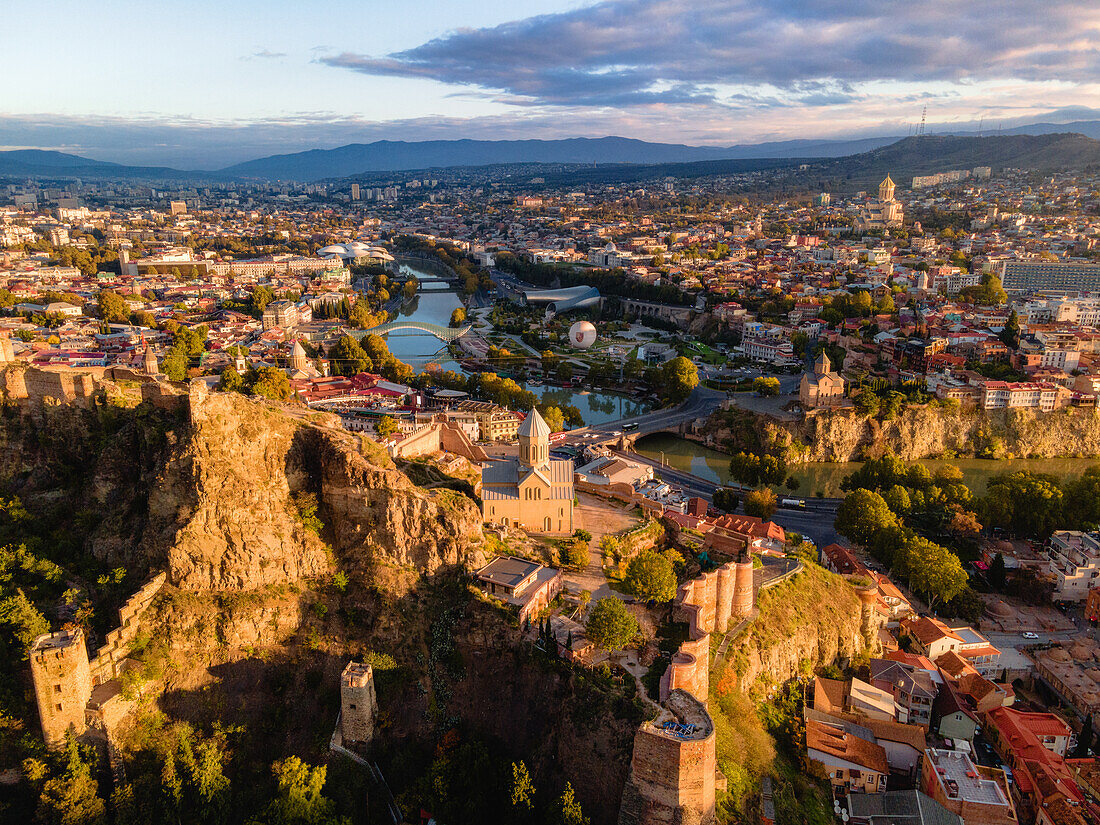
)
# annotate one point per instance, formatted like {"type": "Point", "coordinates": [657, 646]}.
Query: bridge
{"type": "Point", "coordinates": [445, 334]}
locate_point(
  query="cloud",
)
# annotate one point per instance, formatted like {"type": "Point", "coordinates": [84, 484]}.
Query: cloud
{"type": "Point", "coordinates": [265, 54]}
{"type": "Point", "coordinates": [644, 52]}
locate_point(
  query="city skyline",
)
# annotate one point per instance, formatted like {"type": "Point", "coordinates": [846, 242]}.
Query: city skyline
{"type": "Point", "coordinates": [243, 82]}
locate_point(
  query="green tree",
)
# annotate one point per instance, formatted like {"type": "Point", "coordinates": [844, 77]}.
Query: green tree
{"type": "Point", "coordinates": [1026, 503]}
{"type": "Point", "coordinates": [73, 797]}
{"type": "Point", "coordinates": [523, 789]}
{"type": "Point", "coordinates": [765, 386]}
{"type": "Point", "coordinates": [349, 358]}
{"type": "Point", "coordinates": [272, 383]}
{"type": "Point", "coordinates": [575, 554]}
{"type": "Point", "coordinates": [300, 800]}
{"type": "Point", "coordinates": [568, 810]}
{"type": "Point", "coordinates": [745, 468]}
{"type": "Point", "coordinates": [230, 381]}
{"type": "Point", "coordinates": [458, 317]}
{"type": "Point", "coordinates": [761, 503]}
{"type": "Point", "coordinates": [554, 418]}
{"type": "Point", "coordinates": [174, 364]}
{"type": "Point", "coordinates": [650, 577]}
{"type": "Point", "coordinates": [862, 516]}
{"type": "Point", "coordinates": [261, 297]}
{"type": "Point", "coordinates": [867, 403]}
{"type": "Point", "coordinates": [935, 572]}
{"type": "Point", "coordinates": [679, 377]}
{"type": "Point", "coordinates": [21, 620]}
{"type": "Point", "coordinates": [141, 318]}
{"type": "Point", "coordinates": [112, 307]}
{"type": "Point", "coordinates": [1084, 739]}
{"type": "Point", "coordinates": [726, 499]}
{"type": "Point", "coordinates": [1010, 333]}
{"type": "Point", "coordinates": [998, 576]}
{"type": "Point", "coordinates": [610, 625]}
{"type": "Point", "coordinates": [386, 426]}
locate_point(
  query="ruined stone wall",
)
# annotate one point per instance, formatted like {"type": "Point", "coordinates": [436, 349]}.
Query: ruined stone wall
{"type": "Point", "coordinates": [673, 771]}
{"type": "Point", "coordinates": [57, 386]}
{"type": "Point", "coordinates": [119, 641]}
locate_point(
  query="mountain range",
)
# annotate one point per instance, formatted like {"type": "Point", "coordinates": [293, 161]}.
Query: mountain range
{"type": "Point", "coordinates": [1051, 146]}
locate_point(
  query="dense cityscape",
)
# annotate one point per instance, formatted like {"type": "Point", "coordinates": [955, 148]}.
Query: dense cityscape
{"type": "Point", "coordinates": [468, 467]}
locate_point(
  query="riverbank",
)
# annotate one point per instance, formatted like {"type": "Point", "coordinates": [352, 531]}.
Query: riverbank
{"type": "Point", "coordinates": [823, 478]}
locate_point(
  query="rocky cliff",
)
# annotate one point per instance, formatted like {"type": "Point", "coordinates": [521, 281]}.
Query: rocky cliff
{"type": "Point", "coordinates": [213, 492]}
{"type": "Point", "coordinates": [916, 432]}
{"type": "Point", "coordinates": [810, 621]}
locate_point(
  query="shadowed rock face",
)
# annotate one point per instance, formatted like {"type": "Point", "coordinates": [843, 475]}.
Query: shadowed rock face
{"type": "Point", "coordinates": [228, 495]}
{"type": "Point", "coordinates": [207, 492]}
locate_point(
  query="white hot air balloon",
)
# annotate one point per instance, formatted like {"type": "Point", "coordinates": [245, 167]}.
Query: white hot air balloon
{"type": "Point", "coordinates": [582, 335]}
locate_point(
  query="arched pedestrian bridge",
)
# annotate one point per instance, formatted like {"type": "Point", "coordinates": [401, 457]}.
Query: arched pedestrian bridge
{"type": "Point", "coordinates": [445, 334]}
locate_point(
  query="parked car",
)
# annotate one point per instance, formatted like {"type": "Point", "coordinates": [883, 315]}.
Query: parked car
{"type": "Point", "coordinates": [1029, 635]}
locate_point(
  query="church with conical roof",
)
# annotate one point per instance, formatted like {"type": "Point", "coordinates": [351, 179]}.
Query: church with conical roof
{"type": "Point", "coordinates": [883, 212]}
{"type": "Point", "coordinates": [822, 387]}
{"type": "Point", "coordinates": [533, 491]}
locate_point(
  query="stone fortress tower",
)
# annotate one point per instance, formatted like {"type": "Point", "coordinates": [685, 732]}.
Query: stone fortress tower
{"type": "Point", "coordinates": [62, 678]}
{"type": "Point", "coordinates": [358, 704]}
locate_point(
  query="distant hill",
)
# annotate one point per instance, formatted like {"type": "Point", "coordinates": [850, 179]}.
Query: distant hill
{"type": "Point", "coordinates": [941, 153]}
{"type": "Point", "coordinates": [49, 164]}
{"type": "Point", "coordinates": [393, 156]}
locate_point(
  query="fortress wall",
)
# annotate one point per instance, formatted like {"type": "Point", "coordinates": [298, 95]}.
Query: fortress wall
{"type": "Point", "coordinates": [672, 774]}
{"type": "Point", "coordinates": [118, 642]}
{"type": "Point", "coordinates": [689, 670]}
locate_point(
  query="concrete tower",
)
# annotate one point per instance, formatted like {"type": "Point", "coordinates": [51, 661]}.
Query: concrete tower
{"type": "Point", "coordinates": [534, 440]}
{"type": "Point", "coordinates": [358, 704]}
{"type": "Point", "coordinates": [62, 683]}
{"type": "Point", "coordinates": [7, 354]}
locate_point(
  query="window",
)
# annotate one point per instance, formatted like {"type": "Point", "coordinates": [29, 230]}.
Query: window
{"type": "Point", "coordinates": [57, 688]}
{"type": "Point", "coordinates": [351, 707]}
{"type": "Point", "coordinates": [59, 708]}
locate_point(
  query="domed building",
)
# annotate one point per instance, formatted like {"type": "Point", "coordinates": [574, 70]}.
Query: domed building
{"type": "Point", "coordinates": [534, 491]}
{"type": "Point", "coordinates": [883, 212]}
{"type": "Point", "coordinates": [822, 387]}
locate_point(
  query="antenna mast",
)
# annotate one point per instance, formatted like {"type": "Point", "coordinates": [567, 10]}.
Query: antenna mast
{"type": "Point", "coordinates": [923, 115]}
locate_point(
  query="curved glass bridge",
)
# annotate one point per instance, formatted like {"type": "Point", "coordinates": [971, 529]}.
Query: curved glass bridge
{"type": "Point", "coordinates": [445, 334]}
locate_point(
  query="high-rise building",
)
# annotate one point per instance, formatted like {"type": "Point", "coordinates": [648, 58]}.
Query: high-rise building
{"type": "Point", "coordinates": [355, 191]}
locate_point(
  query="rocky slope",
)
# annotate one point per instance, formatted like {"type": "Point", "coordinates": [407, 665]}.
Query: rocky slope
{"type": "Point", "coordinates": [811, 621]}
{"type": "Point", "coordinates": [917, 432]}
{"type": "Point", "coordinates": [212, 492]}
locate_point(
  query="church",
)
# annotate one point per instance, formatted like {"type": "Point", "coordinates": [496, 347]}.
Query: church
{"type": "Point", "coordinates": [534, 491]}
{"type": "Point", "coordinates": [883, 212]}
{"type": "Point", "coordinates": [822, 387]}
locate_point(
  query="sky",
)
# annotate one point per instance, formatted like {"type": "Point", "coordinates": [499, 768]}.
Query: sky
{"type": "Point", "coordinates": [205, 84]}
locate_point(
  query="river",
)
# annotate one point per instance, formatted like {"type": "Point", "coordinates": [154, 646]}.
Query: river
{"type": "Point", "coordinates": [434, 304]}
{"type": "Point", "coordinates": [824, 478]}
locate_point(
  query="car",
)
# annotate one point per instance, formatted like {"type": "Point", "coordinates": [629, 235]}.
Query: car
{"type": "Point", "coordinates": [1029, 635]}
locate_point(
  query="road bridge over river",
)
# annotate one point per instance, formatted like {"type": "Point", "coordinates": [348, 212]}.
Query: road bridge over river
{"type": "Point", "coordinates": [815, 520]}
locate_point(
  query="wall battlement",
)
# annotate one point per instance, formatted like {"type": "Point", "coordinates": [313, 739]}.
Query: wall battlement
{"type": "Point", "coordinates": [708, 603]}
{"type": "Point", "coordinates": [74, 693]}
{"type": "Point", "coordinates": [673, 772]}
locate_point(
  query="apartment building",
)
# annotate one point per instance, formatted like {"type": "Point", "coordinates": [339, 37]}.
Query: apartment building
{"type": "Point", "coordinates": [976, 793]}
{"type": "Point", "coordinates": [1074, 564]}
{"type": "Point", "coordinates": [933, 638]}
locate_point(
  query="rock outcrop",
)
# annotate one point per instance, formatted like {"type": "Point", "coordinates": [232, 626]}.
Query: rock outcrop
{"type": "Point", "coordinates": [813, 620]}
{"type": "Point", "coordinates": [916, 432]}
{"type": "Point", "coordinates": [210, 489]}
